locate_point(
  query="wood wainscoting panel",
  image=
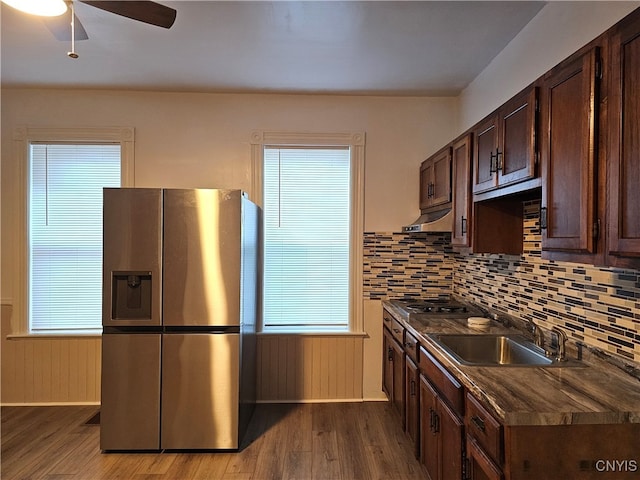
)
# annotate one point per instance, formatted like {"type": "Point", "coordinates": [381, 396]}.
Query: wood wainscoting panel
{"type": "Point", "coordinates": [309, 368]}
{"type": "Point", "coordinates": [48, 371]}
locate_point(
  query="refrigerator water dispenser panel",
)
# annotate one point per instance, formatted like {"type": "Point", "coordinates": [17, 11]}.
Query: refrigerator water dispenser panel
{"type": "Point", "coordinates": [131, 296]}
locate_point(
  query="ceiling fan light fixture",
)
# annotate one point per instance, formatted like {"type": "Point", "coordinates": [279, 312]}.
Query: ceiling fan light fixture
{"type": "Point", "coordinates": [43, 8]}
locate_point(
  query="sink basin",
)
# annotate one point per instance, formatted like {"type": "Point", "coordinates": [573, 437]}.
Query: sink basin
{"type": "Point", "coordinates": [495, 350]}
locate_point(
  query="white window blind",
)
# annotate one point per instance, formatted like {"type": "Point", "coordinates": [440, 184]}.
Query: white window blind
{"type": "Point", "coordinates": [306, 238]}
{"type": "Point", "coordinates": [65, 234]}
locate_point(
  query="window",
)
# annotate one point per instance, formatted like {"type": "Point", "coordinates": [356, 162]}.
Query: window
{"type": "Point", "coordinates": [311, 196]}
{"type": "Point", "coordinates": [306, 237]}
{"type": "Point", "coordinates": [65, 233]}
{"type": "Point", "coordinates": [58, 270]}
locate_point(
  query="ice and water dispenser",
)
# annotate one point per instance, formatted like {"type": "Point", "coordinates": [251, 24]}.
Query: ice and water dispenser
{"type": "Point", "coordinates": [131, 296]}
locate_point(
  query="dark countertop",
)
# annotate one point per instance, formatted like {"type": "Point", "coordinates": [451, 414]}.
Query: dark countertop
{"type": "Point", "coordinates": [598, 392]}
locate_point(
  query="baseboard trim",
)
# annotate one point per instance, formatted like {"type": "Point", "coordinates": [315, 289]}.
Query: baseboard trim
{"type": "Point", "coordinates": [48, 404]}
{"type": "Point", "coordinates": [313, 400]}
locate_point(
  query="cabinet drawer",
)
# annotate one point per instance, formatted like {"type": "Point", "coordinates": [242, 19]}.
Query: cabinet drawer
{"type": "Point", "coordinates": [397, 330]}
{"type": "Point", "coordinates": [387, 319]}
{"type": "Point", "coordinates": [446, 383]}
{"type": "Point", "coordinates": [411, 346]}
{"type": "Point", "coordinates": [484, 428]}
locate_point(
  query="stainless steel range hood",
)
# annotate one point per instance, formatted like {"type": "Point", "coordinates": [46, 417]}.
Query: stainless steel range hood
{"type": "Point", "coordinates": [441, 221]}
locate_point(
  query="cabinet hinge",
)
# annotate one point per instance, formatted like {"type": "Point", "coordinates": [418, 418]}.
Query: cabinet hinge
{"type": "Point", "coordinates": [596, 229]}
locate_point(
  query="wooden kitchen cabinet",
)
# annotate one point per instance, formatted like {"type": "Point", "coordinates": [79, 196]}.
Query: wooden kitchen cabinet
{"type": "Point", "coordinates": [504, 163]}
{"type": "Point", "coordinates": [441, 434]}
{"type": "Point", "coordinates": [624, 141]}
{"type": "Point", "coordinates": [461, 153]}
{"type": "Point", "coordinates": [412, 407]}
{"type": "Point", "coordinates": [397, 399]}
{"type": "Point", "coordinates": [485, 146]}
{"type": "Point", "coordinates": [441, 424]}
{"type": "Point", "coordinates": [484, 442]}
{"type": "Point", "coordinates": [387, 363]}
{"type": "Point", "coordinates": [393, 382]}
{"type": "Point", "coordinates": [412, 391]}
{"type": "Point", "coordinates": [498, 227]}
{"type": "Point", "coordinates": [484, 429]}
{"type": "Point", "coordinates": [569, 114]}
{"type": "Point", "coordinates": [479, 466]}
{"type": "Point", "coordinates": [505, 144]}
{"type": "Point", "coordinates": [429, 440]}
{"type": "Point", "coordinates": [435, 179]}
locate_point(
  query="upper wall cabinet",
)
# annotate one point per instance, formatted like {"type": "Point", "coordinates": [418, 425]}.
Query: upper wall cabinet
{"type": "Point", "coordinates": [505, 144]}
{"type": "Point", "coordinates": [624, 140]}
{"type": "Point", "coordinates": [435, 179]}
{"type": "Point", "coordinates": [461, 182]}
{"type": "Point", "coordinates": [569, 114]}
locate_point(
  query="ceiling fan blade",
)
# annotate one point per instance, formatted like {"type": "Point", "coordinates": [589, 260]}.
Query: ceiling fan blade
{"type": "Point", "coordinates": [60, 27]}
{"type": "Point", "coordinates": [143, 11]}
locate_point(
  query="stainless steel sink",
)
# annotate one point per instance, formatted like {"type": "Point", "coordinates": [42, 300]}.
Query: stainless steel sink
{"type": "Point", "coordinates": [495, 350]}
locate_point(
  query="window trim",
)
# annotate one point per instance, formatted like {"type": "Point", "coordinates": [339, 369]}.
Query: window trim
{"type": "Point", "coordinates": [355, 141]}
{"type": "Point", "coordinates": [23, 137]}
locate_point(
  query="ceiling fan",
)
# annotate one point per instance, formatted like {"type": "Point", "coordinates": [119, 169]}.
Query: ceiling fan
{"type": "Point", "coordinates": [67, 27]}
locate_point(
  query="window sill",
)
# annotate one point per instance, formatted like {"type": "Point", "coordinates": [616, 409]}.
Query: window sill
{"type": "Point", "coordinates": [318, 333]}
{"type": "Point", "coordinates": [54, 335]}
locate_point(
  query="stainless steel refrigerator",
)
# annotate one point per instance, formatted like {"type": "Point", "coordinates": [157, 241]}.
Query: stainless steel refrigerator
{"type": "Point", "coordinates": [180, 304]}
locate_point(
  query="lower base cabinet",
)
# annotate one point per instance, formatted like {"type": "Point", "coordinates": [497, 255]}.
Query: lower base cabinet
{"type": "Point", "coordinates": [441, 436]}
{"type": "Point", "coordinates": [478, 465]}
{"type": "Point", "coordinates": [460, 438]}
{"type": "Point", "coordinates": [580, 452]}
{"type": "Point", "coordinates": [412, 407]}
{"type": "Point", "coordinates": [393, 383]}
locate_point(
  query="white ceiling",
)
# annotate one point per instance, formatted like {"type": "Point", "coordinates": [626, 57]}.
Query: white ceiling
{"type": "Point", "coordinates": [350, 47]}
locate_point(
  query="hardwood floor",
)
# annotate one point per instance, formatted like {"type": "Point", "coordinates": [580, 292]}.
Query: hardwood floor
{"type": "Point", "coordinates": [332, 441]}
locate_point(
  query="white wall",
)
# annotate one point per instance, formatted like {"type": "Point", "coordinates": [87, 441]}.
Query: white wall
{"type": "Point", "coordinates": [203, 140]}
{"type": "Point", "coordinates": [559, 29]}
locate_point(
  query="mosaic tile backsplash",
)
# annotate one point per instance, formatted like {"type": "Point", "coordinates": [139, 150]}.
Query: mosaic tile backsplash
{"type": "Point", "coordinates": [397, 265]}
{"type": "Point", "coordinates": [600, 306]}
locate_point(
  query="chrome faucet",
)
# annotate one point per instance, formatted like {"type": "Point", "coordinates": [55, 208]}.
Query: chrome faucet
{"type": "Point", "coordinates": [536, 331]}
{"type": "Point", "coordinates": [562, 340]}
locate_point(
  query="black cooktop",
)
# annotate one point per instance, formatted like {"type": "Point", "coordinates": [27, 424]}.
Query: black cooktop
{"type": "Point", "coordinates": [437, 307]}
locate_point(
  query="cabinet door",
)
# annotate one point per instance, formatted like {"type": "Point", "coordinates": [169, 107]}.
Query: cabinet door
{"type": "Point", "coordinates": [451, 438]}
{"type": "Point", "coordinates": [480, 466]}
{"type": "Point", "coordinates": [485, 146]}
{"type": "Point", "coordinates": [461, 166]}
{"type": "Point", "coordinates": [624, 160]}
{"type": "Point", "coordinates": [435, 179]}
{"type": "Point", "coordinates": [441, 190]}
{"type": "Point", "coordinates": [412, 389]}
{"type": "Point", "coordinates": [516, 156]}
{"type": "Point", "coordinates": [398, 379]}
{"type": "Point", "coordinates": [429, 438]}
{"type": "Point", "coordinates": [387, 364]}
{"type": "Point", "coordinates": [568, 210]}
{"type": "Point", "coordinates": [426, 182]}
